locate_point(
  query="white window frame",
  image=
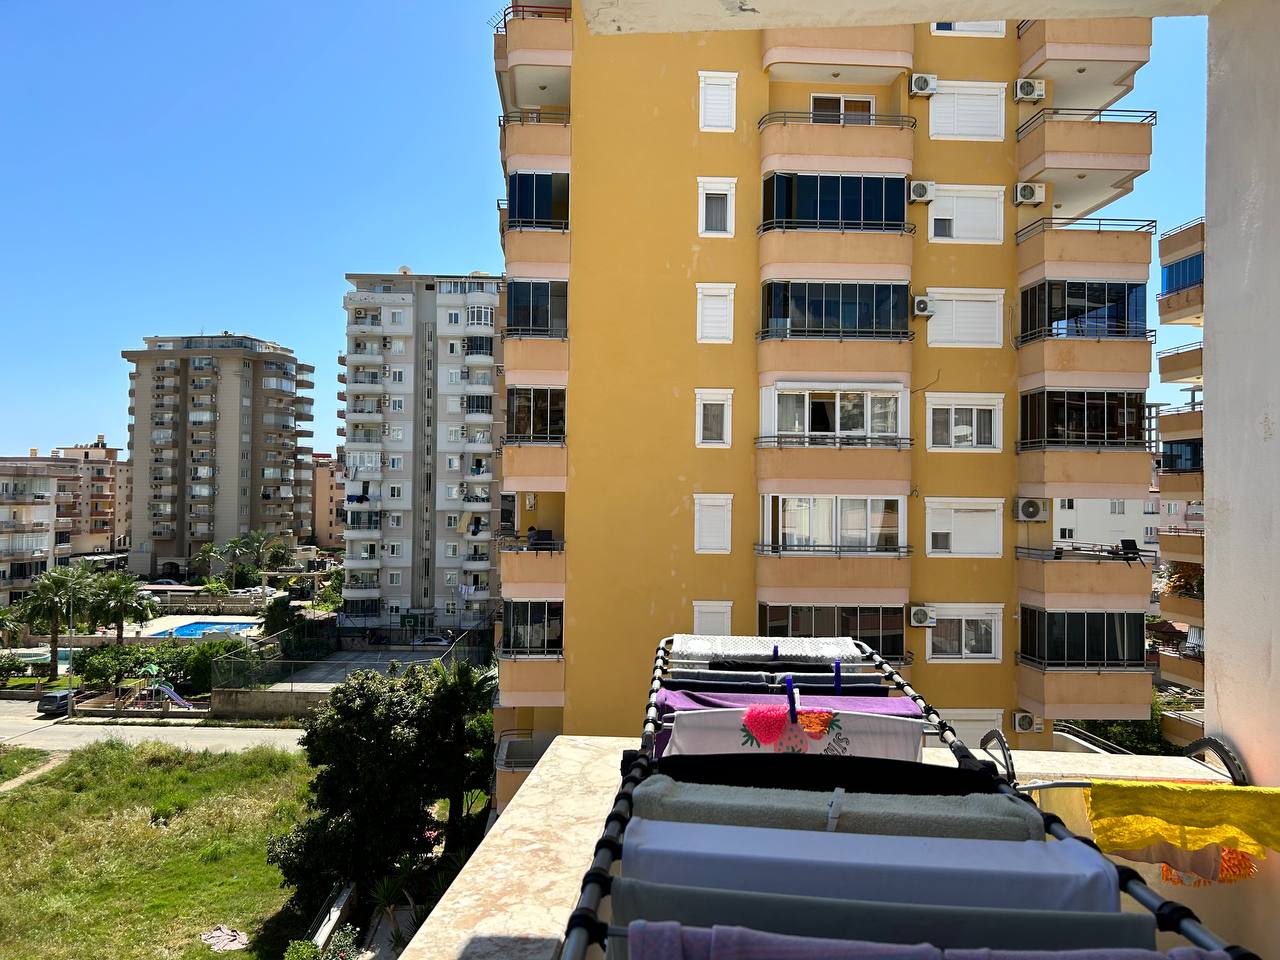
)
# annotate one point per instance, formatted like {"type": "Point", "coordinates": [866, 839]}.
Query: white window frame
{"type": "Point", "coordinates": [707, 78]}
{"type": "Point", "coordinates": [769, 407]}
{"type": "Point", "coordinates": [395, 491]}
{"type": "Point", "coordinates": [969, 611]}
{"type": "Point", "coordinates": [993, 505]}
{"type": "Point", "coordinates": [395, 462]}
{"type": "Point", "coordinates": [985, 191]}
{"type": "Point", "coordinates": [713, 609]}
{"type": "Point", "coordinates": [397, 374]}
{"type": "Point", "coordinates": [714, 289]}
{"type": "Point", "coordinates": [396, 404]}
{"type": "Point", "coordinates": [1066, 503]}
{"type": "Point", "coordinates": [451, 578]}
{"type": "Point", "coordinates": [453, 318]}
{"type": "Point", "coordinates": [1117, 508]}
{"type": "Point", "coordinates": [451, 549]}
{"type": "Point", "coordinates": [994, 89]}
{"type": "Point", "coordinates": [454, 435]}
{"type": "Point", "coordinates": [394, 578]}
{"type": "Point", "coordinates": [725, 185]}
{"type": "Point", "coordinates": [395, 520]}
{"type": "Point", "coordinates": [933, 28]}
{"type": "Point", "coordinates": [985, 401]}
{"type": "Point", "coordinates": [395, 549]}
{"type": "Point", "coordinates": [393, 609]}
{"type": "Point", "coordinates": [453, 462]}
{"type": "Point", "coordinates": [1066, 533]}
{"type": "Point", "coordinates": [702, 501]}
{"type": "Point", "coordinates": [706, 396]}
{"type": "Point", "coordinates": [451, 521]}
{"type": "Point", "coordinates": [833, 534]}
{"type": "Point", "coordinates": [397, 316]}
{"type": "Point", "coordinates": [983, 294]}
{"type": "Point", "coordinates": [453, 376]}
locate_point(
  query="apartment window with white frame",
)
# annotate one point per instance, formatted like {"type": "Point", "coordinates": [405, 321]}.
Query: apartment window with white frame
{"type": "Point", "coordinates": [395, 549]}
{"type": "Point", "coordinates": [967, 110]}
{"type": "Point", "coordinates": [834, 525]}
{"type": "Point", "coordinates": [713, 618]}
{"type": "Point", "coordinates": [453, 491]}
{"type": "Point", "coordinates": [832, 414]}
{"type": "Point", "coordinates": [1066, 533]}
{"type": "Point", "coordinates": [451, 578]}
{"type": "Point", "coordinates": [394, 578]}
{"type": "Point", "coordinates": [968, 28]}
{"type": "Point", "coordinates": [967, 214]}
{"type": "Point", "coordinates": [715, 312]}
{"type": "Point", "coordinates": [454, 405]}
{"type": "Point", "coordinates": [395, 462]}
{"type": "Point", "coordinates": [397, 317]}
{"type": "Point", "coordinates": [397, 375]}
{"type": "Point", "coordinates": [966, 317]}
{"type": "Point", "coordinates": [395, 491]}
{"type": "Point", "coordinates": [395, 519]}
{"type": "Point", "coordinates": [1067, 503]}
{"type": "Point", "coordinates": [716, 206]}
{"type": "Point", "coordinates": [451, 550]}
{"type": "Point", "coordinates": [1150, 533]}
{"type": "Point", "coordinates": [397, 404]}
{"type": "Point", "coordinates": [454, 376]}
{"type": "Point", "coordinates": [713, 421]}
{"type": "Point", "coordinates": [393, 609]}
{"type": "Point", "coordinates": [1117, 508]}
{"type": "Point", "coordinates": [454, 318]}
{"type": "Point", "coordinates": [966, 631]}
{"type": "Point", "coordinates": [712, 522]}
{"type": "Point", "coordinates": [964, 527]}
{"type": "Point", "coordinates": [453, 463]}
{"type": "Point", "coordinates": [717, 101]}
{"type": "Point", "coordinates": [396, 433]}
{"type": "Point", "coordinates": [454, 348]}
{"type": "Point", "coordinates": [1150, 508]}
{"type": "Point", "coordinates": [1171, 509]}
{"type": "Point", "coordinates": [455, 434]}
{"type": "Point", "coordinates": [964, 421]}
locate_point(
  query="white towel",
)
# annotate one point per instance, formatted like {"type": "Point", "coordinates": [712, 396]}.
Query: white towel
{"type": "Point", "coordinates": [690, 647]}
{"type": "Point", "coordinates": [759, 729]}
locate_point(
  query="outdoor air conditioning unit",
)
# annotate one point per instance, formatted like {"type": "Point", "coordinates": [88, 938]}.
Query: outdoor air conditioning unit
{"type": "Point", "coordinates": [1025, 722]}
{"type": "Point", "coordinates": [1031, 510]}
{"type": "Point", "coordinates": [924, 617]}
{"type": "Point", "coordinates": [924, 84]}
{"type": "Point", "coordinates": [922, 191]}
{"type": "Point", "coordinates": [1028, 89]}
{"type": "Point", "coordinates": [1028, 193]}
{"type": "Point", "coordinates": [359, 313]}
{"type": "Point", "coordinates": [922, 306]}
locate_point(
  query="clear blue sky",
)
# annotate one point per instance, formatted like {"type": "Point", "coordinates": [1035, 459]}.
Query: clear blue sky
{"type": "Point", "coordinates": [173, 167]}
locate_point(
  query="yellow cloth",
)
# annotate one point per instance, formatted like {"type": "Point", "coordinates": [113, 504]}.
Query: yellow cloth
{"type": "Point", "coordinates": [1130, 815]}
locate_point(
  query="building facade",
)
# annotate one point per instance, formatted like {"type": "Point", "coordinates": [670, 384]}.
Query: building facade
{"type": "Point", "coordinates": [32, 537]}
{"type": "Point", "coordinates": [421, 365]}
{"type": "Point", "coordinates": [799, 373]}
{"type": "Point", "coordinates": [97, 526]}
{"type": "Point", "coordinates": [328, 498]}
{"type": "Point", "coordinates": [214, 439]}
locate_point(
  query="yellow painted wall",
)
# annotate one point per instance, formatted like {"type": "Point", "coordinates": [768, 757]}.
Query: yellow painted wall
{"type": "Point", "coordinates": [547, 513]}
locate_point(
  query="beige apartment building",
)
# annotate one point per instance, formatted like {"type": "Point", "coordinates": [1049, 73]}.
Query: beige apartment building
{"type": "Point", "coordinates": [215, 438]}
{"type": "Point", "coordinates": [327, 500]}
{"type": "Point", "coordinates": [32, 537]}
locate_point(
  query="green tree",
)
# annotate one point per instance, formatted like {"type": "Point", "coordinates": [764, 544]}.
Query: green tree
{"type": "Point", "coordinates": [1136, 736]}
{"type": "Point", "coordinates": [118, 598]}
{"type": "Point", "coordinates": [10, 624]}
{"type": "Point", "coordinates": [461, 710]}
{"type": "Point", "coordinates": [330, 596]}
{"type": "Point", "coordinates": [208, 555]}
{"type": "Point", "coordinates": [53, 598]}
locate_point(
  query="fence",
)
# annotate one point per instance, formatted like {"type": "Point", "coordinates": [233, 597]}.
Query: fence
{"type": "Point", "coordinates": [240, 672]}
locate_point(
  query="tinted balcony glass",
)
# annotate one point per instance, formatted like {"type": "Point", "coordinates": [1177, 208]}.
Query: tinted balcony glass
{"type": "Point", "coordinates": [538, 200]}
{"type": "Point", "coordinates": [793, 308]}
{"type": "Point", "coordinates": [1083, 638]}
{"type": "Point", "coordinates": [1181, 274]}
{"type": "Point", "coordinates": [811, 201]}
{"type": "Point", "coordinates": [1081, 418]}
{"type": "Point", "coordinates": [537, 308]}
{"type": "Point", "coordinates": [1083, 308]}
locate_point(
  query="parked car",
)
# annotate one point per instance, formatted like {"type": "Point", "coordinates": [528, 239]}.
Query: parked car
{"type": "Point", "coordinates": [166, 583]}
{"type": "Point", "coordinates": [54, 704]}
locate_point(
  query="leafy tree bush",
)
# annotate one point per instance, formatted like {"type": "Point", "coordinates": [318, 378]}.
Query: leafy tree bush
{"type": "Point", "coordinates": [302, 950]}
{"type": "Point", "coordinates": [216, 587]}
{"type": "Point", "coordinates": [1136, 736]}
{"type": "Point", "coordinates": [278, 615]}
{"type": "Point", "coordinates": [342, 946]}
{"type": "Point", "coordinates": [188, 665]}
{"type": "Point", "coordinates": [11, 665]}
{"type": "Point", "coordinates": [329, 598]}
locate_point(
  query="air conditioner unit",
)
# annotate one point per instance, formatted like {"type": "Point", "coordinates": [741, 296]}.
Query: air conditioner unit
{"type": "Point", "coordinates": [1031, 510]}
{"type": "Point", "coordinates": [922, 306]}
{"type": "Point", "coordinates": [924, 84]}
{"type": "Point", "coordinates": [1028, 89]}
{"type": "Point", "coordinates": [924, 617]}
{"type": "Point", "coordinates": [1028, 193]}
{"type": "Point", "coordinates": [386, 369]}
{"type": "Point", "coordinates": [1025, 722]}
{"type": "Point", "coordinates": [922, 191]}
{"type": "Point", "coordinates": [359, 313]}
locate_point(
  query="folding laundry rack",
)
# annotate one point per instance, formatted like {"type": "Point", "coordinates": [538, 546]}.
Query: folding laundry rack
{"type": "Point", "coordinates": [586, 928]}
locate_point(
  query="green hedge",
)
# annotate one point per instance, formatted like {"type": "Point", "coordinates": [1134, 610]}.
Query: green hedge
{"type": "Point", "coordinates": [188, 665]}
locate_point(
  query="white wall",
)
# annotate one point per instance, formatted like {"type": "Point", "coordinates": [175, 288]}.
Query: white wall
{"type": "Point", "coordinates": [1093, 522]}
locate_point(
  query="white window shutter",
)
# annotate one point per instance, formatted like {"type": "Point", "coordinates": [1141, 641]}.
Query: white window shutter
{"type": "Point", "coordinates": [975, 321]}
{"type": "Point", "coordinates": [712, 516]}
{"type": "Point", "coordinates": [942, 327]}
{"type": "Point", "coordinates": [975, 531]}
{"type": "Point", "coordinates": [977, 218]}
{"type": "Point", "coordinates": [713, 618]}
{"type": "Point", "coordinates": [977, 114]}
{"type": "Point", "coordinates": [768, 411]}
{"type": "Point", "coordinates": [717, 93]}
{"type": "Point", "coordinates": [942, 115]}
{"type": "Point", "coordinates": [715, 314]}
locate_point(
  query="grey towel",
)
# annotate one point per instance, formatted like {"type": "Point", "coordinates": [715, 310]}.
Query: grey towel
{"type": "Point", "coordinates": [977, 817]}
{"type": "Point", "coordinates": [944, 927]}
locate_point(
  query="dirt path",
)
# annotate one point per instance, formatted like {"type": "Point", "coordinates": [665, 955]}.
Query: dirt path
{"type": "Point", "coordinates": [16, 782]}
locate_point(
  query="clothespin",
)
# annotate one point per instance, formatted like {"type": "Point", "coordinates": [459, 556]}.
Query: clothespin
{"type": "Point", "coordinates": [791, 699]}
{"type": "Point", "coordinates": [837, 668]}
{"type": "Point", "coordinates": [834, 806]}
{"type": "Point", "coordinates": [775, 651]}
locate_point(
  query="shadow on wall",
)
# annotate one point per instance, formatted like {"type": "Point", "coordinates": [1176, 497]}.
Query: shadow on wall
{"type": "Point", "coordinates": [492, 948]}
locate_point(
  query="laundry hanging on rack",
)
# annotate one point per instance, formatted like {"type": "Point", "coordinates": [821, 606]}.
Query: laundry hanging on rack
{"type": "Point", "coordinates": [770, 665]}
{"type": "Point", "coordinates": [686, 647]}
{"type": "Point", "coordinates": [818, 772]}
{"type": "Point", "coordinates": [666, 940]}
{"type": "Point", "coordinates": [770, 728]}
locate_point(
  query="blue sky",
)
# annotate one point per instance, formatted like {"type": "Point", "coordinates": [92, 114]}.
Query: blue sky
{"type": "Point", "coordinates": [174, 167]}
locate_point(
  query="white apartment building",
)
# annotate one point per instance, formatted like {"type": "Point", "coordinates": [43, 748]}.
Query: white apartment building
{"type": "Point", "coordinates": [1106, 522]}
{"type": "Point", "coordinates": [32, 539]}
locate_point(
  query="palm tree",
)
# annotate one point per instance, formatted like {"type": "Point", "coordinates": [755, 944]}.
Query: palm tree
{"type": "Point", "coordinates": [208, 555]}
{"type": "Point", "coordinates": [461, 701]}
{"type": "Point", "coordinates": [234, 553]}
{"type": "Point", "coordinates": [10, 623]}
{"type": "Point", "coordinates": [54, 594]}
{"type": "Point", "coordinates": [120, 597]}
{"type": "Point", "coordinates": [265, 549]}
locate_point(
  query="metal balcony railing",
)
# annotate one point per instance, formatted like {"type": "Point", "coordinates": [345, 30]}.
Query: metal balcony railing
{"type": "Point", "coordinates": [1096, 224]}
{"type": "Point", "coordinates": [1185, 348]}
{"type": "Point", "coordinates": [824, 118]}
{"type": "Point", "coordinates": [1086, 329]}
{"type": "Point", "coordinates": [1082, 443]}
{"type": "Point", "coordinates": [1178, 288]}
{"type": "Point", "coordinates": [552, 117]}
{"type": "Point", "coordinates": [560, 332]}
{"type": "Point", "coordinates": [1118, 663]}
{"type": "Point", "coordinates": [832, 441]}
{"type": "Point", "coordinates": [1184, 531]}
{"type": "Point", "coordinates": [1085, 115]}
{"type": "Point", "coordinates": [1194, 407]}
{"type": "Point", "coordinates": [837, 226]}
{"type": "Point", "coordinates": [1024, 26]}
{"type": "Point", "coordinates": [529, 11]}
{"type": "Point", "coordinates": [1093, 552]}
{"type": "Point", "coordinates": [781, 329]}
{"type": "Point", "coordinates": [529, 439]}
{"type": "Point", "coordinates": [831, 550]}
{"type": "Point", "coordinates": [1182, 226]}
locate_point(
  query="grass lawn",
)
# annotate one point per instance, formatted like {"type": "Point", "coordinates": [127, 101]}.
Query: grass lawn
{"type": "Point", "coordinates": [131, 852]}
{"type": "Point", "coordinates": [29, 683]}
{"type": "Point", "coordinates": [15, 761]}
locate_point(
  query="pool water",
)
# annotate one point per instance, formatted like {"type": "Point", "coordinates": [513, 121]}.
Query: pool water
{"type": "Point", "coordinates": [201, 627]}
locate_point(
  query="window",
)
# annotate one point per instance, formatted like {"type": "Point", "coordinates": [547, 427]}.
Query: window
{"type": "Point", "coordinates": [397, 346]}
{"type": "Point", "coordinates": [717, 101]}
{"type": "Point", "coordinates": [451, 521]}
{"type": "Point", "coordinates": [397, 316]}
{"type": "Point", "coordinates": [538, 200]}
{"type": "Point", "coordinates": [397, 404]}
{"type": "Point", "coordinates": [966, 527]}
{"type": "Point", "coordinates": [966, 631]}
{"type": "Point", "coordinates": [966, 317]}
{"type": "Point", "coordinates": [969, 28]}
{"type": "Point", "coordinates": [451, 578]}
{"type": "Point", "coordinates": [1082, 638]}
{"type": "Point", "coordinates": [454, 348]}
{"type": "Point", "coordinates": [532, 628]}
{"type": "Point", "coordinates": [393, 578]}
{"type": "Point", "coordinates": [395, 462]}
{"type": "Point", "coordinates": [452, 463]}
{"type": "Point", "coordinates": [850, 111]}
{"type": "Point", "coordinates": [714, 418]}
{"type": "Point", "coordinates": [1067, 504]}
{"type": "Point", "coordinates": [537, 308]}
{"type": "Point", "coordinates": [712, 521]}
{"type": "Point", "coordinates": [393, 609]}
{"type": "Point", "coordinates": [1183, 456]}
{"type": "Point", "coordinates": [454, 318]}
{"type": "Point", "coordinates": [453, 376]}
{"type": "Point", "coordinates": [1117, 508]}
{"type": "Point", "coordinates": [1150, 533]}
{"type": "Point", "coordinates": [451, 550]}
{"type": "Point", "coordinates": [715, 312]}
{"type": "Point", "coordinates": [395, 549]}
{"type": "Point", "coordinates": [397, 375]}
{"type": "Point", "coordinates": [967, 111]}
{"type": "Point", "coordinates": [796, 308]}
{"type": "Point", "coordinates": [833, 201]}
{"type": "Point", "coordinates": [1083, 308]}
{"type": "Point", "coordinates": [965, 421]}
{"type": "Point", "coordinates": [453, 491]}
{"type": "Point", "coordinates": [395, 433]}
{"type": "Point", "coordinates": [838, 416]}
{"type": "Point", "coordinates": [713, 618]}
{"type": "Point", "coordinates": [1066, 533]}
{"type": "Point", "coordinates": [454, 434]}
{"type": "Point", "coordinates": [832, 525]}
{"type": "Point", "coordinates": [879, 627]}
{"type": "Point", "coordinates": [1082, 418]}
{"type": "Point", "coordinates": [967, 215]}
{"type": "Point", "coordinates": [535, 415]}
{"type": "Point", "coordinates": [453, 405]}
{"type": "Point", "coordinates": [716, 197]}
{"type": "Point", "coordinates": [1171, 509]}
{"type": "Point", "coordinates": [1182, 274]}
{"type": "Point", "coordinates": [395, 519]}
{"type": "Point", "coordinates": [1151, 507]}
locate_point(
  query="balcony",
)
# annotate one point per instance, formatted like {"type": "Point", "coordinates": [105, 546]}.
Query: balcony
{"type": "Point", "coordinates": [477, 562]}
{"type": "Point", "coordinates": [828, 457]}
{"type": "Point", "coordinates": [368, 354]}
{"type": "Point", "coordinates": [805, 573]}
{"type": "Point", "coordinates": [517, 754]}
{"type": "Point", "coordinates": [532, 569]}
{"type": "Point", "coordinates": [1122, 471]}
{"type": "Point", "coordinates": [799, 140]}
{"type": "Point", "coordinates": [361, 590]}
{"type": "Point", "coordinates": [363, 414]}
{"type": "Point", "coordinates": [482, 443]}
{"type": "Point", "coordinates": [1182, 423]}
{"type": "Point", "coordinates": [1077, 575]}
{"type": "Point", "coordinates": [352, 533]}
{"type": "Point", "coordinates": [1090, 157]}
{"type": "Point", "coordinates": [1046, 357]}
{"type": "Point", "coordinates": [363, 383]}
{"type": "Point", "coordinates": [864, 55]}
{"type": "Point", "coordinates": [787, 349]}
{"type": "Point", "coordinates": [529, 139]}
{"type": "Point", "coordinates": [534, 465]}
{"type": "Point", "coordinates": [1099, 247]}
{"type": "Point", "coordinates": [537, 242]}
{"type": "Point", "coordinates": [1080, 692]}
{"type": "Point", "coordinates": [532, 53]}
{"type": "Point", "coordinates": [1091, 63]}
{"type": "Point", "coordinates": [166, 385]}
{"type": "Point", "coordinates": [528, 354]}
{"type": "Point", "coordinates": [27, 553]}
{"type": "Point", "coordinates": [478, 354]}
{"type": "Point", "coordinates": [1182, 544]}
{"type": "Point", "coordinates": [1182, 306]}
{"type": "Point", "coordinates": [364, 440]}
{"type": "Point", "coordinates": [1182, 484]}
{"type": "Point", "coordinates": [367, 298]}
{"type": "Point", "coordinates": [305, 382]}
{"type": "Point", "coordinates": [481, 535]}
{"type": "Point", "coordinates": [1184, 364]}
{"type": "Point", "coordinates": [24, 526]}
{"type": "Point", "coordinates": [1183, 668]}
{"type": "Point", "coordinates": [477, 388]}
{"type": "Point", "coordinates": [530, 678]}
{"type": "Point", "coordinates": [1180, 609]}
{"type": "Point", "coordinates": [790, 248]}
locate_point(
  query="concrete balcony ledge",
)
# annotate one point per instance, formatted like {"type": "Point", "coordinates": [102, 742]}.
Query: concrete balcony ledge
{"type": "Point", "coordinates": [1182, 545]}
{"type": "Point", "coordinates": [1185, 306]}
{"type": "Point", "coordinates": [795, 141]}
{"type": "Point", "coordinates": [1177, 609]}
{"type": "Point", "coordinates": [1182, 484]}
{"type": "Point", "coordinates": [1184, 364]}
{"type": "Point", "coordinates": [874, 53]}
{"type": "Point", "coordinates": [1084, 693]}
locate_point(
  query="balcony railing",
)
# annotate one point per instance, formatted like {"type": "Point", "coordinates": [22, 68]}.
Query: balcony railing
{"type": "Point", "coordinates": [1083, 663]}
{"type": "Point", "coordinates": [1081, 443]}
{"type": "Point", "coordinates": [537, 223]}
{"type": "Point", "coordinates": [533, 116]}
{"type": "Point", "coordinates": [837, 119]}
{"type": "Point", "coordinates": [1085, 115]}
{"type": "Point", "coordinates": [1024, 26]}
{"type": "Point", "coordinates": [1189, 285]}
{"type": "Point", "coordinates": [1093, 552]}
{"type": "Point", "coordinates": [1185, 348]}
{"type": "Point", "coordinates": [1194, 407]}
{"type": "Point", "coordinates": [784, 331]}
{"type": "Point", "coordinates": [831, 550]}
{"type": "Point", "coordinates": [832, 441]}
{"type": "Point", "coordinates": [528, 11]}
{"type": "Point", "coordinates": [545, 333]}
{"type": "Point", "coordinates": [1096, 224]}
{"type": "Point", "coordinates": [523, 439]}
{"type": "Point", "coordinates": [839, 226]}
{"type": "Point", "coordinates": [515, 544]}
{"type": "Point", "coordinates": [513, 651]}
{"type": "Point", "coordinates": [1085, 329]}
{"type": "Point", "coordinates": [1183, 531]}
{"type": "Point", "coordinates": [1182, 226]}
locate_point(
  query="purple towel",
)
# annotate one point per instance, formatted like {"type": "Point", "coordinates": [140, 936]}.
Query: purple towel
{"type": "Point", "coordinates": [1177, 953]}
{"type": "Point", "coordinates": [740, 943]}
{"type": "Point", "coordinates": [669, 701]}
{"type": "Point", "coordinates": [667, 940]}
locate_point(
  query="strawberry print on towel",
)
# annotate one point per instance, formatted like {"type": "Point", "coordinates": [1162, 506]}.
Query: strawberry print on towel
{"type": "Point", "coordinates": [770, 725]}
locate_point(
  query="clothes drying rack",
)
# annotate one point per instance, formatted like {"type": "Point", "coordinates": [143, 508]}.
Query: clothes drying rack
{"type": "Point", "coordinates": [585, 927]}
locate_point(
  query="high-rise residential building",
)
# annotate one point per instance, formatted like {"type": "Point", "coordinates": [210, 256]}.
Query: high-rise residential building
{"type": "Point", "coordinates": [32, 537]}
{"type": "Point", "coordinates": [328, 498]}
{"type": "Point", "coordinates": [805, 331]}
{"type": "Point", "coordinates": [96, 524]}
{"type": "Point", "coordinates": [421, 475]}
{"type": "Point", "coordinates": [214, 436]}
{"type": "Point", "coordinates": [124, 505]}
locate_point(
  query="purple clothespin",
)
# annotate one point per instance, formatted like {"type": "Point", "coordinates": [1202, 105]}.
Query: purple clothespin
{"type": "Point", "coordinates": [791, 699]}
{"type": "Point", "coordinates": [837, 665]}
{"type": "Point", "coordinates": [775, 651]}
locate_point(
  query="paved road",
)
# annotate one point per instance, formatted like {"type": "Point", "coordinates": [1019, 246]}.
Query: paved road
{"type": "Point", "coordinates": [20, 726]}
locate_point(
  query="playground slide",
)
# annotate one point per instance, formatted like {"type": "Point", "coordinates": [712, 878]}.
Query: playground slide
{"type": "Point", "coordinates": [169, 692]}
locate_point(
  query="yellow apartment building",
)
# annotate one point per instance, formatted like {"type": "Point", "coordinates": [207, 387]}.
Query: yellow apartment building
{"type": "Point", "coordinates": [804, 329]}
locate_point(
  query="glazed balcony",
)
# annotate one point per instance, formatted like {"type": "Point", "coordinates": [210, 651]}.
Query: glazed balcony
{"type": "Point", "coordinates": [482, 443]}
{"type": "Point", "coordinates": [1182, 423]}
{"type": "Point", "coordinates": [532, 54]}
{"type": "Point", "coordinates": [872, 55]}
{"type": "Point", "coordinates": [534, 464]}
{"type": "Point", "coordinates": [831, 457]}
{"type": "Point", "coordinates": [1184, 364]}
{"type": "Point", "coordinates": [1101, 247]}
{"type": "Point", "coordinates": [1102, 691]}
{"type": "Point", "coordinates": [1090, 157]}
{"type": "Point", "coordinates": [1075, 574]}
{"type": "Point", "coordinates": [1180, 609]}
{"type": "Point", "coordinates": [1182, 484]}
{"type": "Point", "coordinates": [361, 590]}
{"type": "Point", "coordinates": [1182, 544]}
{"type": "Point", "coordinates": [792, 247]}
{"type": "Point", "coordinates": [370, 353]}
{"type": "Point", "coordinates": [799, 140]}
{"type": "Point", "coordinates": [534, 139]}
{"type": "Point", "coordinates": [1091, 62]}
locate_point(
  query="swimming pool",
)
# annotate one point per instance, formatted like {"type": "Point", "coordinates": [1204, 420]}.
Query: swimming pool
{"type": "Point", "coordinates": [200, 627]}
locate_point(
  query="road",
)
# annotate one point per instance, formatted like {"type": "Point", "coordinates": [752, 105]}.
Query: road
{"type": "Point", "coordinates": [21, 726]}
